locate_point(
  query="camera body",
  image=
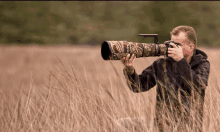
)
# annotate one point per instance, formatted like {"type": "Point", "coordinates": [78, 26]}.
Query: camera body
{"type": "Point", "coordinates": [167, 43]}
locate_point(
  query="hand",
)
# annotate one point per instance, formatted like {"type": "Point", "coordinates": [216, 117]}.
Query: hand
{"type": "Point", "coordinates": [129, 63]}
{"type": "Point", "coordinates": [176, 52]}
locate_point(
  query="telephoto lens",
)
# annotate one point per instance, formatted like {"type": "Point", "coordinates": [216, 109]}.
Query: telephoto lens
{"type": "Point", "coordinates": [116, 50]}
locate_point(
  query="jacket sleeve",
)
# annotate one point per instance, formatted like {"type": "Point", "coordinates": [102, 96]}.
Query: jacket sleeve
{"type": "Point", "coordinates": [143, 82]}
{"type": "Point", "coordinates": [197, 79]}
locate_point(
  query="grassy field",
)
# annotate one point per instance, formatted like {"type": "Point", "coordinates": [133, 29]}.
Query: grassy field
{"type": "Point", "coordinates": [74, 89]}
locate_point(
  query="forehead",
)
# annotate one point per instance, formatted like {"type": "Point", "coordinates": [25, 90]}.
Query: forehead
{"type": "Point", "coordinates": [180, 37]}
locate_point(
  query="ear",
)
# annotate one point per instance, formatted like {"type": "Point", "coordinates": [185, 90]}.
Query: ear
{"type": "Point", "coordinates": [192, 45]}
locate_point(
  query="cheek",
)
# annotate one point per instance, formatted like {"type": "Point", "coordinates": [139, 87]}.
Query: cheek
{"type": "Point", "coordinates": [186, 50]}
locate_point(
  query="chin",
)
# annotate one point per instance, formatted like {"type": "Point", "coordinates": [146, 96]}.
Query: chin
{"type": "Point", "coordinates": [185, 55]}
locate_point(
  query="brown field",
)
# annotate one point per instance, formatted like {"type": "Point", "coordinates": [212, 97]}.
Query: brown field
{"type": "Point", "coordinates": [72, 89]}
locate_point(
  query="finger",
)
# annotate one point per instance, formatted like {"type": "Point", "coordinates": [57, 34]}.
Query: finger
{"type": "Point", "coordinates": [127, 57]}
{"type": "Point", "coordinates": [170, 55]}
{"type": "Point", "coordinates": [123, 59]}
{"type": "Point", "coordinates": [133, 55]}
{"type": "Point", "coordinates": [132, 58]}
{"type": "Point", "coordinates": [174, 46]}
{"type": "Point", "coordinates": [170, 51]}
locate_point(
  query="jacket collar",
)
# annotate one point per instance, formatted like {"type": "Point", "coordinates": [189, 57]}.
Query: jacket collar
{"type": "Point", "coordinates": [198, 57]}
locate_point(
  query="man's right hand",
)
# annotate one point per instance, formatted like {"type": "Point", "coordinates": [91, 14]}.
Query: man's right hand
{"type": "Point", "coordinates": [129, 63]}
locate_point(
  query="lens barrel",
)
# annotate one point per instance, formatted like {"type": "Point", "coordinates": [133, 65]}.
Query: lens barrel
{"type": "Point", "coordinates": [116, 50]}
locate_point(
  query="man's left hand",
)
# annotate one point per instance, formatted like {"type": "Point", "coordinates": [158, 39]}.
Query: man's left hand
{"type": "Point", "coordinates": [176, 52]}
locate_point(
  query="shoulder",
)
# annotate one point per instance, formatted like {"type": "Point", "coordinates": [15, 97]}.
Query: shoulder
{"type": "Point", "coordinates": [159, 60]}
{"type": "Point", "coordinates": [158, 63]}
{"type": "Point", "coordinates": [162, 60]}
{"type": "Point", "coordinates": [199, 58]}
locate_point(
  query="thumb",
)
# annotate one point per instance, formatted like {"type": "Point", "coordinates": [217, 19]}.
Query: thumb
{"type": "Point", "coordinates": [134, 58]}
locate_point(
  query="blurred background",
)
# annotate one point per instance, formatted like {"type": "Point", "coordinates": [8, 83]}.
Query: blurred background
{"type": "Point", "coordinates": [90, 23]}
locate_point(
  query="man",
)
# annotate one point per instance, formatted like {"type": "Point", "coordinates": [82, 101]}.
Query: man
{"type": "Point", "coordinates": [181, 80]}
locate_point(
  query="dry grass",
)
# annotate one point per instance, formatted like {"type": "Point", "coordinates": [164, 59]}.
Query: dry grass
{"type": "Point", "coordinates": [73, 89]}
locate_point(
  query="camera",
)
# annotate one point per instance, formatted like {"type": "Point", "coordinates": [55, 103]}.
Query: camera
{"type": "Point", "coordinates": [116, 50]}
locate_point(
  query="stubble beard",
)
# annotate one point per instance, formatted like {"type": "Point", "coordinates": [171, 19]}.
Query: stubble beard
{"type": "Point", "coordinates": [186, 56]}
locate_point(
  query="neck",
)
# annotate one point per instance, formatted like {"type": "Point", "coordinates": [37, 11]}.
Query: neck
{"type": "Point", "coordinates": [188, 57]}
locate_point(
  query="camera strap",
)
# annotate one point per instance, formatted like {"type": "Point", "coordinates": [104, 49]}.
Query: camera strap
{"type": "Point", "coordinates": [155, 49]}
{"type": "Point", "coordinates": [167, 45]}
{"type": "Point", "coordinates": [125, 49]}
{"type": "Point", "coordinates": [158, 54]}
{"type": "Point", "coordinates": [143, 49]}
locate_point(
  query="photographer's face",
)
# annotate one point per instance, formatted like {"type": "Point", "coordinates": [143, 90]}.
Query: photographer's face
{"type": "Point", "coordinates": [187, 45]}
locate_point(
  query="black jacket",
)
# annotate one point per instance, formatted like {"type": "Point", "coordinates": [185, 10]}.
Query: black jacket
{"type": "Point", "coordinates": [187, 79]}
